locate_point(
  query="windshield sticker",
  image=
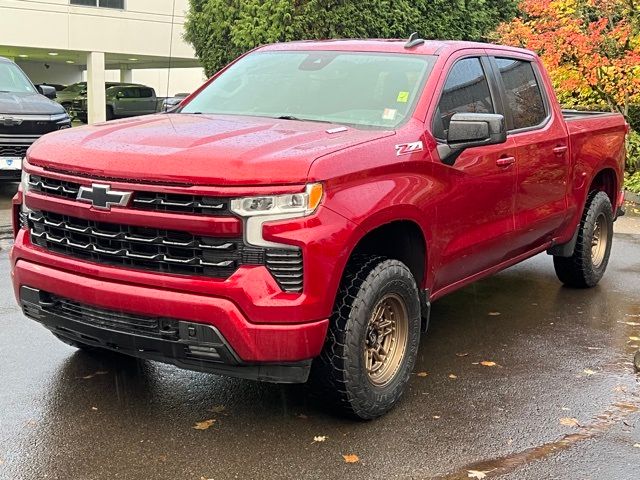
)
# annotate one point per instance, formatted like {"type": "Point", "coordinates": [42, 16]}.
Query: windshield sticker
{"type": "Point", "coordinates": [403, 97]}
{"type": "Point", "coordinates": [407, 148]}
{"type": "Point", "coordinates": [389, 113]}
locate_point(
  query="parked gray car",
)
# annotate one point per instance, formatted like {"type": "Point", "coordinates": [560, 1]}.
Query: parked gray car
{"type": "Point", "coordinates": [122, 101]}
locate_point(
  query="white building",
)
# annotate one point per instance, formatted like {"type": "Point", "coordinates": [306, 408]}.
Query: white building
{"type": "Point", "coordinates": [66, 41]}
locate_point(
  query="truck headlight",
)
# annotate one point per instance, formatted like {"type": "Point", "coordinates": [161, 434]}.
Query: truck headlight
{"type": "Point", "coordinates": [258, 210]}
{"type": "Point", "coordinates": [24, 183]}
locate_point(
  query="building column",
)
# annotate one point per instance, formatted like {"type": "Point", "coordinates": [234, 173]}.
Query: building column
{"type": "Point", "coordinates": [126, 74]}
{"type": "Point", "coordinates": [96, 99]}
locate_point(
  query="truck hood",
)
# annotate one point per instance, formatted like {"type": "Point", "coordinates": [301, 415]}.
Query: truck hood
{"type": "Point", "coordinates": [196, 149]}
{"type": "Point", "coordinates": [27, 104]}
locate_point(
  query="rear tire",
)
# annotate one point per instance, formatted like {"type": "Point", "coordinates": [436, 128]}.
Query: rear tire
{"type": "Point", "coordinates": [373, 338]}
{"type": "Point", "coordinates": [590, 257]}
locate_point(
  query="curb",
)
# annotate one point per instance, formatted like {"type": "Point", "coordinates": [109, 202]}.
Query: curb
{"type": "Point", "coordinates": [632, 197]}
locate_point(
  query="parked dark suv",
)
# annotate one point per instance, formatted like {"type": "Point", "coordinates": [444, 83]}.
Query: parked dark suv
{"type": "Point", "coordinates": [122, 101]}
{"type": "Point", "coordinates": [25, 115]}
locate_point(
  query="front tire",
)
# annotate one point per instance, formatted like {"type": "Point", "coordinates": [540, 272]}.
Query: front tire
{"type": "Point", "coordinates": [590, 257]}
{"type": "Point", "coordinates": [373, 339]}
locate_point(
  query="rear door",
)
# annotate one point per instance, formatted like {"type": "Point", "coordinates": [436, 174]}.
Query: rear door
{"type": "Point", "coordinates": [475, 214]}
{"type": "Point", "coordinates": [542, 156]}
{"type": "Point", "coordinates": [147, 101]}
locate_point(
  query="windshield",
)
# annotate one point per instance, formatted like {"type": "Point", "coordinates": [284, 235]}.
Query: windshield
{"type": "Point", "coordinates": [76, 87]}
{"type": "Point", "coordinates": [367, 89]}
{"type": "Point", "coordinates": [13, 80]}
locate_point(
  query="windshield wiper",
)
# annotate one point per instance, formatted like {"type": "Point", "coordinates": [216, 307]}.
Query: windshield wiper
{"type": "Point", "coordinates": [291, 117]}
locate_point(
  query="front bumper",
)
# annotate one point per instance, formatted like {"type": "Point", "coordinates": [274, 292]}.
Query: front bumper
{"type": "Point", "coordinates": [270, 352]}
{"type": "Point", "coordinates": [188, 345]}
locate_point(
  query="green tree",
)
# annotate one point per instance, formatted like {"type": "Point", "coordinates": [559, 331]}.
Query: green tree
{"type": "Point", "coordinates": [220, 30]}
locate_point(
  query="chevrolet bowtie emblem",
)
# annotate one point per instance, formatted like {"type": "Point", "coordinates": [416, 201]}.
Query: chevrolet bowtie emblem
{"type": "Point", "coordinates": [10, 121]}
{"type": "Point", "coordinates": [102, 197]}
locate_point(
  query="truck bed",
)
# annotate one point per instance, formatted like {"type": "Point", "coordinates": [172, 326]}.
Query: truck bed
{"type": "Point", "coordinates": [580, 114]}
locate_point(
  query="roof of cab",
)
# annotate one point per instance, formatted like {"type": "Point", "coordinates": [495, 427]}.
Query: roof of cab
{"type": "Point", "coordinates": [429, 47]}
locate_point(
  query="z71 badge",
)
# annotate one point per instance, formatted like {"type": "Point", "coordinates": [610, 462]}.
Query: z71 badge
{"type": "Point", "coordinates": [407, 148]}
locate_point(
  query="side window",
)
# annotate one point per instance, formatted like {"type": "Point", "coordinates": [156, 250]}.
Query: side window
{"type": "Point", "coordinates": [523, 92]}
{"type": "Point", "coordinates": [131, 93]}
{"type": "Point", "coordinates": [146, 93]}
{"type": "Point", "coordinates": [465, 91]}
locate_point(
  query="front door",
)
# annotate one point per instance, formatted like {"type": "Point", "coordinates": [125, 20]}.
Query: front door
{"type": "Point", "coordinates": [474, 219]}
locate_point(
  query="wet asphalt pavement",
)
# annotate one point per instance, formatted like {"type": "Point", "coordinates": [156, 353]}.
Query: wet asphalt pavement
{"type": "Point", "coordinates": [562, 401]}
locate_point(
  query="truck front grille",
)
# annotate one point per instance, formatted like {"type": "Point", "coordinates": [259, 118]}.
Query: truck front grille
{"type": "Point", "coordinates": [159, 250]}
{"type": "Point", "coordinates": [156, 201]}
{"type": "Point", "coordinates": [13, 150]}
{"type": "Point", "coordinates": [140, 247]}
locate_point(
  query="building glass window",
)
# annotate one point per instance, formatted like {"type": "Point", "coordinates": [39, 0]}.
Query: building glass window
{"type": "Point", "coordinates": [118, 4]}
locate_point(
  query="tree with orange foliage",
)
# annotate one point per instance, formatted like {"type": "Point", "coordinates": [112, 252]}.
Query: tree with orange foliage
{"type": "Point", "coordinates": [591, 48]}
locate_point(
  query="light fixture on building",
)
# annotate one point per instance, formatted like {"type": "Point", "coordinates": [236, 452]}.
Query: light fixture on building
{"type": "Point", "coordinates": [53, 54]}
{"type": "Point", "coordinates": [22, 55]}
{"type": "Point", "coordinates": [69, 61]}
{"type": "Point", "coordinates": [133, 59]}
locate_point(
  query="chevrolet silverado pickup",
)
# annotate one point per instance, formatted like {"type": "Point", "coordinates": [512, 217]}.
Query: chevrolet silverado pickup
{"type": "Point", "coordinates": [26, 113]}
{"type": "Point", "coordinates": [297, 215]}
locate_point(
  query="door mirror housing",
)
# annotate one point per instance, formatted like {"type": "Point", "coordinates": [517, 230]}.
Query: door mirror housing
{"type": "Point", "coordinates": [47, 90]}
{"type": "Point", "coordinates": [468, 130]}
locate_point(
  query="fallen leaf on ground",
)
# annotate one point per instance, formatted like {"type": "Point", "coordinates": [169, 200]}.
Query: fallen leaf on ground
{"type": "Point", "coordinates": [461, 354]}
{"type": "Point", "coordinates": [635, 445]}
{"type": "Point", "coordinates": [204, 425]}
{"type": "Point", "coordinates": [422, 374]}
{"type": "Point", "coordinates": [320, 438]}
{"type": "Point", "coordinates": [494, 314]}
{"type": "Point", "coordinates": [302, 416]}
{"type": "Point", "coordinates": [217, 409]}
{"type": "Point", "coordinates": [594, 348]}
{"type": "Point", "coordinates": [588, 371]}
{"type": "Point", "coordinates": [634, 339]}
{"type": "Point", "coordinates": [95, 409]}
{"type": "Point", "coordinates": [99, 372]}
{"type": "Point", "coordinates": [451, 375]}
{"type": "Point", "coordinates": [631, 324]}
{"type": "Point", "coordinates": [476, 474]}
{"type": "Point", "coordinates": [569, 422]}
{"type": "Point", "coordinates": [487, 363]}
{"type": "Point", "coordinates": [351, 458]}
{"type": "Point", "coordinates": [436, 417]}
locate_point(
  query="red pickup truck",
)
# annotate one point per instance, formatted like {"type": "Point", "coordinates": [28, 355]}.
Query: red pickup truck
{"type": "Point", "coordinates": [296, 216]}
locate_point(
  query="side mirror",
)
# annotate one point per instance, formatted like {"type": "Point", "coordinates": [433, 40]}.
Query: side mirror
{"type": "Point", "coordinates": [467, 130]}
{"type": "Point", "coordinates": [47, 90]}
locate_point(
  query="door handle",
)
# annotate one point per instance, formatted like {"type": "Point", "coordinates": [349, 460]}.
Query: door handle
{"type": "Point", "coordinates": [559, 150]}
{"type": "Point", "coordinates": [505, 161]}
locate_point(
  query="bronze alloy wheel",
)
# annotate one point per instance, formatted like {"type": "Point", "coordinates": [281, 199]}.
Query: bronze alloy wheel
{"type": "Point", "coordinates": [599, 240]}
{"type": "Point", "coordinates": [386, 339]}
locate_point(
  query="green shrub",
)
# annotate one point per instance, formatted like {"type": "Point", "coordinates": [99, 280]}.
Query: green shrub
{"type": "Point", "coordinates": [632, 183]}
{"type": "Point", "coordinates": [633, 152]}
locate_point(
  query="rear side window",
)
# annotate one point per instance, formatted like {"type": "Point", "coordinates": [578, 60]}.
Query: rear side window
{"type": "Point", "coordinates": [523, 92]}
{"type": "Point", "coordinates": [146, 93]}
{"type": "Point", "coordinates": [465, 91]}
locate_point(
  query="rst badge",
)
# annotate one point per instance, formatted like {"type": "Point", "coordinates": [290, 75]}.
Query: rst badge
{"type": "Point", "coordinates": [407, 148]}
